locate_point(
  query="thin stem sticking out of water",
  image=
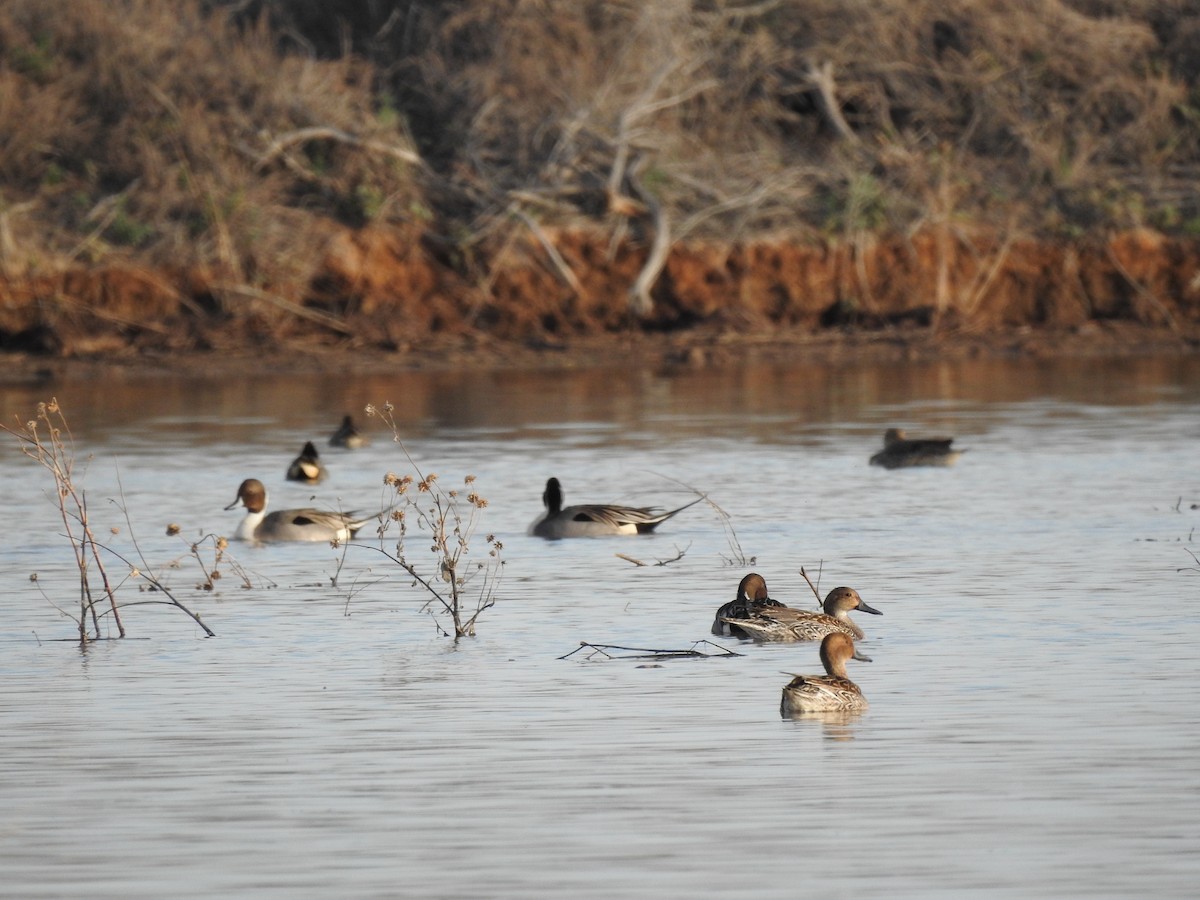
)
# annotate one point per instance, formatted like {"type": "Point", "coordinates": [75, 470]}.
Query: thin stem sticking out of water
{"type": "Point", "coordinates": [738, 557]}
{"type": "Point", "coordinates": [449, 520]}
{"type": "Point", "coordinates": [146, 572]}
{"type": "Point", "coordinates": [813, 587]}
{"type": "Point", "coordinates": [56, 454]}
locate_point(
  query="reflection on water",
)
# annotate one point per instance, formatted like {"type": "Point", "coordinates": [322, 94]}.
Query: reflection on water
{"type": "Point", "coordinates": [1032, 729]}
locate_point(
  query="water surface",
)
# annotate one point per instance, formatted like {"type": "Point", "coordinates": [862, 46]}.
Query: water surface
{"type": "Point", "coordinates": [1032, 729]}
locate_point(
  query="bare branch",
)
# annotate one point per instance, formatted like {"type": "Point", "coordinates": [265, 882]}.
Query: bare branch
{"type": "Point", "coordinates": [820, 75]}
{"type": "Point", "coordinates": [327, 133]}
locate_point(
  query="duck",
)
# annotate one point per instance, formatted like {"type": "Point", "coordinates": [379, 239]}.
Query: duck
{"type": "Point", "coordinates": [595, 520]}
{"type": "Point", "coordinates": [751, 597]}
{"type": "Point", "coordinates": [831, 692]}
{"type": "Point", "coordinates": [307, 467]}
{"type": "Point", "coordinates": [787, 625]}
{"type": "Point", "coordinates": [348, 436]}
{"type": "Point", "coordinates": [290, 524]}
{"type": "Point", "coordinates": [900, 451]}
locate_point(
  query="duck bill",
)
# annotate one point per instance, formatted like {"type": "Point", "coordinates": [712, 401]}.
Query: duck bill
{"type": "Point", "coordinates": [235, 502]}
{"type": "Point", "coordinates": [862, 607]}
{"type": "Point", "coordinates": [861, 657]}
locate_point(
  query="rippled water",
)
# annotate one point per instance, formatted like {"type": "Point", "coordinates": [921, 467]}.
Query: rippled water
{"type": "Point", "coordinates": [1033, 726]}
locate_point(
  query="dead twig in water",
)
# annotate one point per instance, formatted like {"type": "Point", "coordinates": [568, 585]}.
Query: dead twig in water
{"type": "Point", "coordinates": [448, 521]}
{"type": "Point", "coordinates": [679, 554]}
{"type": "Point", "coordinates": [56, 454]}
{"type": "Point", "coordinates": [739, 557]}
{"type": "Point", "coordinates": [148, 574]}
{"type": "Point", "coordinates": [647, 653]}
{"type": "Point", "coordinates": [816, 593]}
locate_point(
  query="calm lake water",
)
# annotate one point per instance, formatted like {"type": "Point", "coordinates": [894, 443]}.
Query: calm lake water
{"type": "Point", "coordinates": [1034, 726]}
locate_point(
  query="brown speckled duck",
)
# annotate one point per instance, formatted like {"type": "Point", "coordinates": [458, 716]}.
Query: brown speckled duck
{"type": "Point", "coordinates": [831, 692]}
{"type": "Point", "coordinates": [786, 625]}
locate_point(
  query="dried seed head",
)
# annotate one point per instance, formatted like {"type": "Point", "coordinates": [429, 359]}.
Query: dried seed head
{"type": "Point", "coordinates": [173, 530]}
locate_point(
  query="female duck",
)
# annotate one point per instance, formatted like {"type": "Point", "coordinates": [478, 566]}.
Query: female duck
{"type": "Point", "coordinates": [831, 692]}
{"type": "Point", "coordinates": [307, 467]}
{"type": "Point", "coordinates": [594, 520]}
{"type": "Point", "coordinates": [786, 625]}
{"type": "Point", "coordinates": [900, 451]}
{"type": "Point", "coordinates": [348, 436]}
{"type": "Point", "coordinates": [290, 524]}
{"type": "Point", "coordinates": [751, 600]}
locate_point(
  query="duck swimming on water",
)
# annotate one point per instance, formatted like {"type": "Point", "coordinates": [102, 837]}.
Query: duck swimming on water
{"type": "Point", "coordinates": [831, 692]}
{"type": "Point", "coordinates": [307, 467]}
{"type": "Point", "coordinates": [348, 436]}
{"type": "Point", "coordinates": [291, 524]}
{"type": "Point", "coordinates": [751, 600]}
{"type": "Point", "coordinates": [900, 451]}
{"type": "Point", "coordinates": [595, 519]}
{"type": "Point", "coordinates": [786, 625]}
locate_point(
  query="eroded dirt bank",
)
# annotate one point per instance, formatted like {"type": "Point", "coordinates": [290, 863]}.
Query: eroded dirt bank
{"type": "Point", "coordinates": [391, 298]}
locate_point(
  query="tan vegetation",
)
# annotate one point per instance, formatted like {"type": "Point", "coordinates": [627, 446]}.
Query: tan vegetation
{"type": "Point", "coordinates": [177, 174]}
{"type": "Point", "coordinates": [47, 440]}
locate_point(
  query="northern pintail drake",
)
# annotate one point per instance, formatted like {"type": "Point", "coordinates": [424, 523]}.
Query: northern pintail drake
{"type": "Point", "coordinates": [751, 598]}
{"type": "Point", "coordinates": [900, 451]}
{"type": "Point", "coordinates": [786, 625]}
{"type": "Point", "coordinates": [307, 467]}
{"type": "Point", "coordinates": [595, 520]}
{"type": "Point", "coordinates": [831, 692]}
{"type": "Point", "coordinates": [291, 524]}
{"type": "Point", "coordinates": [348, 436]}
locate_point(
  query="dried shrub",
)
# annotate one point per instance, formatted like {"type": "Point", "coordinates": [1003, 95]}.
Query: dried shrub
{"type": "Point", "coordinates": [145, 127]}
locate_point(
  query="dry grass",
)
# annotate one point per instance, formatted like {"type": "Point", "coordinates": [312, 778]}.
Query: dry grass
{"type": "Point", "coordinates": [139, 130]}
{"type": "Point", "coordinates": [47, 440]}
{"type": "Point", "coordinates": [445, 520]}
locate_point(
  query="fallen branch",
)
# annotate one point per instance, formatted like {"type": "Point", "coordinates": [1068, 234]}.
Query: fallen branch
{"type": "Point", "coordinates": [560, 264]}
{"type": "Point", "coordinates": [661, 562]}
{"type": "Point", "coordinates": [645, 653]}
{"type": "Point", "coordinates": [286, 305]}
{"type": "Point", "coordinates": [641, 304]}
{"type": "Point", "coordinates": [820, 76]}
{"type": "Point", "coordinates": [327, 133]}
